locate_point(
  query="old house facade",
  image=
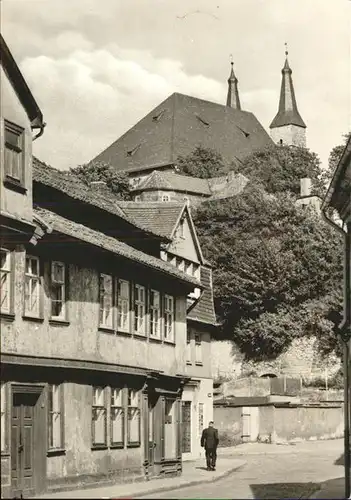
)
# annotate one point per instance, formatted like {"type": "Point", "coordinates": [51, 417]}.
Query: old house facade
{"type": "Point", "coordinates": [184, 253]}
{"type": "Point", "coordinates": [93, 325]}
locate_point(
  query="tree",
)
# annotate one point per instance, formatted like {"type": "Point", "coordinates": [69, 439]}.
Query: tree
{"type": "Point", "coordinates": [333, 161]}
{"type": "Point", "coordinates": [277, 270]}
{"type": "Point", "coordinates": [202, 162]}
{"type": "Point", "coordinates": [117, 183]}
{"type": "Point", "coordinates": [280, 168]}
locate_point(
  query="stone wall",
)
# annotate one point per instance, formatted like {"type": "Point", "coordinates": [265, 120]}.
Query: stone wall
{"type": "Point", "coordinates": [291, 135]}
{"type": "Point", "coordinates": [300, 359]}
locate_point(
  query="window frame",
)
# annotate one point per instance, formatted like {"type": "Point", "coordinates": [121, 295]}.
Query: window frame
{"type": "Point", "coordinates": [64, 288]}
{"type": "Point", "coordinates": [32, 277]}
{"type": "Point", "coordinates": [94, 407]}
{"type": "Point", "coordinates": [102, 305]}
{"type": "Point", "coordinates": [168, 312]}
{"type": "Point", "coordinates": [198, 348]}
{"type": "Point", "coordinates": [142, 304]}
{"type": "Point", "coordinates": [60, 389]}
{"type": "Point", "coordinates": [121, 407]}
{"type": "Point", "coordinates": [118, 301]}
{"type": "Point", "coordinates": [188, 350]}
{"type": "Point", "coordinates": [8, 269]}
{"type": "Point", "coordinates": [165, 198]}
{"type": "Point", "coordinates": [152, 310]}
{"type": "Point", "coordinates": [19, 149]}
{"type": "Point", "coordinates": [136, 408]}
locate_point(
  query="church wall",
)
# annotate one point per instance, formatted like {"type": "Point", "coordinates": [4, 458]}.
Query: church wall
{"type": "Point", "coordinates": [290, 135]}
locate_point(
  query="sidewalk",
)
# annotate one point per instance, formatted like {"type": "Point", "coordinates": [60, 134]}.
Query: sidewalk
{"type": "Point", "coordinates": [334, 488]}
{"type": "Point", "coordinates": [194, 473]}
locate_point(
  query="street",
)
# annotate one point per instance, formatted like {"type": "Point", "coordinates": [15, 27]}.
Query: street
{"type": "Point", "coordinates": [292, 472]}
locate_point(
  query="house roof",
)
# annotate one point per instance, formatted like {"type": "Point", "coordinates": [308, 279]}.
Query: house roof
{"type": "Point", "coordinates": [170, 181]}
{"type": "Point", "coordinates": [203, 311]}
{"type": "Point", "coordinates": [73, 187]}
{"type": "Point", "coordinates": [83, 233]}
{"type": "Point", "coordinates": [288, 113]}
{"type": "Point", "coordinates": [179, 124]}
{"type": "Point", "coordinates": [20, 86]}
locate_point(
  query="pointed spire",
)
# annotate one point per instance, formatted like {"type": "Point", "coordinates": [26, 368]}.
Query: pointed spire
{"type": "Point", "coordinates": [288, 113]}
{"type": "Point", "coordinates": [233, 100]}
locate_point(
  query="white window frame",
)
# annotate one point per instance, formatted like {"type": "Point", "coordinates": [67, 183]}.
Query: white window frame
{"type": "Point", "coordinates": [133, 405]}
{"type": "Point", "coordinates": [165, 198]}
{"type": "Point", "coordinates": [155, 313]}
{"type": "Point", "coordinates": [139, 309]}
{"type": "Point", "coordinates": [105, 295]}
{"type": "Point", "coordinates": [14, 153]}
{"type": "Point", "coordinates": [123, 305]}
{"type": "Point", "coordinates": [6, 278]}
{"type": "Point", "coordinates": [117, 411]}
{"type": "Point", "coordinates": [198, 349]}
{"type": "Point", "coordinates": [62, 284]}
{"type": "Point", "coordinates": [32, 281]}
{"type": "Point", "coordinates": [56, 416]}
{"type": "Point", "coordinates": [99, 406]}
{"type": "Point", "coordinates": [168, 315]}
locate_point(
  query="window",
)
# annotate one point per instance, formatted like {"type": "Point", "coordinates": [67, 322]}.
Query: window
{"type": "Point", "coordinates": [58, 291]}
{"type": "Point", "coordinates": [99, 417]}
{"type": "Point", "coordinates": [165, 197]}
{"type": "Point", "coordinates": [55, 417]}
{"type": "Point", "coordinates": [198, 350]}
{"type": "Point", "coordinates": [14, 158]}
{"type": "Point", "coordinates": [123, 306]}
{"type": "Point", "coordinates": [201, 418]}
{"type": "Point", "coordinates": [117, 417]}
{"type": "Point", "coordinates": [106, 301]}
{"type": "Point", "coordinates": [3, 408]}
{"type": "Point", "coordinates": [169, 318]}
{"type": "Point", "coordinates": [6, 285]}
{"type": "Point", "coordinates": [154, 313]}
{"type": "Point", "coordinates": [139, 309]}
{"type": "Point", "coordinates": [32, 287]}
{"type": "Point", "coordinates": [133, 418]}
{"type": "Point", "coordinates": [188, 348]}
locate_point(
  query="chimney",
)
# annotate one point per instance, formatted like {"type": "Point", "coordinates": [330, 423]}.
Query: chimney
{"type": "Point", "coordinates": [98, 186]}
{"type": "Point", "coordinates": [305, 187]}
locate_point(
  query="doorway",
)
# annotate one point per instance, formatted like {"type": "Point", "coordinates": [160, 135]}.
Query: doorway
{"type": "Point", "coordinates": [152, 434]}
{"type": "Point", "coordinates": [28, 441]}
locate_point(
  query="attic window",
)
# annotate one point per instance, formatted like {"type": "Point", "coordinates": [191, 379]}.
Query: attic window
{"type": "Point", "coordinates": [202, 120]}
{"type": "Point", "coordinates": [158, 116]}
{"type": "Point", "coordinates": [246, 134]}
{"type": "Point", "coordinates": [131, 152]}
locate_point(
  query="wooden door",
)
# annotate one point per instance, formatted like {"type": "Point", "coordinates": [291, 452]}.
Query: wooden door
{"type": "Point", "coordinates": [24, 443]}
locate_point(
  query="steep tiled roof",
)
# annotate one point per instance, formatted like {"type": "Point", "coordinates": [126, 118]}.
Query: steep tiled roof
{"type": "Point", "coordinates": [204, 310]}
{"type": "Point", "coordinates": [95, 238]}
{"type": "Point", "coordinates": [73, 187]}
{"type": "Point", "coordinates": [170, 181]}
{"type": "Point", "coordinates": [155, 216]}
{"type": "Point", "coordinates": [178, 125]}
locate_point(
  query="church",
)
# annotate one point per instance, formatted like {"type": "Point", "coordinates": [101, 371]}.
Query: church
{"type": "Point", "coordinates": [181, 123]}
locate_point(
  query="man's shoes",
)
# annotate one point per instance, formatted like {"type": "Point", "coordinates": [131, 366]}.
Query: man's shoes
{"type": "Point", "coordinates": [209, 468]}
{"type": "Point", "coordinates": [213, 468]}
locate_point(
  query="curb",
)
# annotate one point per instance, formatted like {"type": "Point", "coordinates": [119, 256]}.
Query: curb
{"type": "Point", "coordinates": [184, 485]}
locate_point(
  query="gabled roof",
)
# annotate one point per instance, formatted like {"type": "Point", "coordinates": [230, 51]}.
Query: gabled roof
{"type": "Point", "coordinates": [20, 86]}
{"type": "Point", "coordinates": [179, 124]}
{"type": "Point", "coordinates": [73, 187]}
{"type": "Point", "coordinates": [170, 181]}
{"type": "Point", "coordinates": [203, 311]}
{"type": "Point", "coordinates": [288, 113]}
{"type": "Point", "coordinates": [80, 232]}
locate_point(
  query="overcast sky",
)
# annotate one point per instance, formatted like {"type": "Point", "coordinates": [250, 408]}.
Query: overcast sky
{"type": "Point", "coordinates": [96, 67]}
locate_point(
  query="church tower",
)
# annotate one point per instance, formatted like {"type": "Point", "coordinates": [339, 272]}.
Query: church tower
{"type": "Point", "coordinates": [288, 127]}
{"type": "Point", "coordinates": [233, 100]}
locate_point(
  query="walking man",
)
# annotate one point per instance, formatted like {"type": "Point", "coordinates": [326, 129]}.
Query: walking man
{"type": "Point", "coordinates": [209, 441]}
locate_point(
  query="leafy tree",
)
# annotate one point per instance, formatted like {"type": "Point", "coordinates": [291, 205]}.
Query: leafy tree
{"type": "Point", "coordinates": [116, 182]}
{"type": "Point", "coordinates": [202, 162]}
{"type": "Point", "coordinates": [280, 168]}
{"type": "Point", "coordinates": [333, 161]}
{"type": "Point", "coordinates": [277, 270]}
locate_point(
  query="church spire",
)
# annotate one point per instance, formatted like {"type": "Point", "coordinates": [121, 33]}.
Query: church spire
{"type": "Point", "coordinates": [288, 117]}
{"type": "Point", "coordinates": [233, 100]}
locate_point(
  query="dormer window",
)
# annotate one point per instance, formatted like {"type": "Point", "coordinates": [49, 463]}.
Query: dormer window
{"type": "Point", "coordinates": [132, 151]}
{"type": "Point", "coordinates": [14, 153]}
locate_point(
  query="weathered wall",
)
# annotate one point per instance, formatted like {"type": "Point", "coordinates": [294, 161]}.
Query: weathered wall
{"type": "Point", "coordinates": [228, 421]}
{"type": "Point", "coordinates": [81, 338]}
{"type": "Point", "coordinates": [195, 369]}
{"type": "Point", "coordinates": [290, 135]}
{"type": "Point", "coordinates": [12, 110]}
{"type": "Point", "coordinates": [300, 359]}
{"type": "Point", "coordinates": [156, 195]}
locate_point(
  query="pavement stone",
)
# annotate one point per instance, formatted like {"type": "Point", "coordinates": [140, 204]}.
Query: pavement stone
{"type": "Point", "coordinates": [194, 473]}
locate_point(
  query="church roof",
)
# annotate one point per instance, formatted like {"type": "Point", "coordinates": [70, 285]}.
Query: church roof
{"type": "Point", "coordinates": [288, 113]}
{"type": "Point", "coordinates": [179, 124]}
{"type": "Point", "coordinates": [170, 181]}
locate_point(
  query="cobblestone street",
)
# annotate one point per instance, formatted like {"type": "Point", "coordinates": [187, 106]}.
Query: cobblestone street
{"type": "Point", "coordinates": [286, 471]}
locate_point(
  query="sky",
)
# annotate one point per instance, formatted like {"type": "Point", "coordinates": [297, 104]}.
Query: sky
{"type": "Point", "coordinates": [96, 67]}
